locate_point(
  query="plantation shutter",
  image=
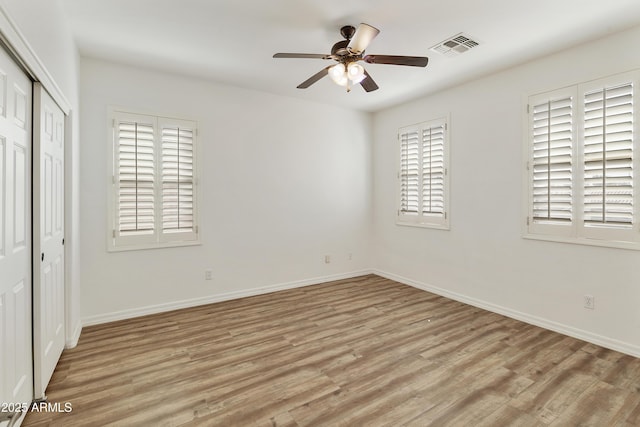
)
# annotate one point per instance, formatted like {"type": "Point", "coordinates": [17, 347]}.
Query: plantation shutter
{"type": "Point", "coordinates": [178, 178]}
{"type": "Point", "coordinates": [552, 162]}
{"type": "Point", "coordinates": [608, 156]}
{"type": "Point", "coordinates": [581, 161]}
{"type": "Point", "coordinates": [153, 201]}
{"type": "Point", "coordinates": [433, 170]}
{"type": "Point", "coordinates": [135, 177]}
{"type": "Point", "coordinates": [410, 172]}
{"type": "Point", "coordinates": [423, 173]}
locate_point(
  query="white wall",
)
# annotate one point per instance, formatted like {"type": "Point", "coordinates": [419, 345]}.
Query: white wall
{"type": "Point", "coordinates": [284, 182]}
{"type": "Point", "coordinates": [48, 35]}
{"type": "Point", "coordinates": [483, 259]}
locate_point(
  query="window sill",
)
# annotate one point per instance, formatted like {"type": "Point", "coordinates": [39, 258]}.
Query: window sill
{"type": "Point", "coordinates": [147, 246]}
{"type": "Point", "coordinates": [616, 244]}
{"type": "Point", "coordinates": [423, 225]}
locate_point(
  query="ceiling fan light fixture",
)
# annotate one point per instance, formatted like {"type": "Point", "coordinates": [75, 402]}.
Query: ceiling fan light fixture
{"type": "Point", "coordinates": [337, 70]}
{"type": "Point", "coordinates": [355, 72]}
{"type": "Point", "coordinates": [338, 74]}
{"type": "Point", "coordinates": [342, 81]}
{"type": "Point", "coordinates": [342, 74]}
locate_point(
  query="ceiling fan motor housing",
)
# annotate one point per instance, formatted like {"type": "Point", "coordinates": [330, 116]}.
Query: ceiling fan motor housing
{"type": "Point", "coordinates": [340, 48]}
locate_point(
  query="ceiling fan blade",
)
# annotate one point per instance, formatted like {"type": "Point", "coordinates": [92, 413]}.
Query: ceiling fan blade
{"type": "Point", "coordinates": [368, 84]}
{"type": "Point", "coordinates": [413, 61]}
{"type": "Point", "coordinates": [361, 39]}
{"type": "Point", "coordinates": [311, 80]}
{"type": "Point", "coordinates": [302, 55]}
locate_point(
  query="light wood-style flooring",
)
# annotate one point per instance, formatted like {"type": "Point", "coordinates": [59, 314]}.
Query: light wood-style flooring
{"type": "Point", "coordinates": [359, 352]}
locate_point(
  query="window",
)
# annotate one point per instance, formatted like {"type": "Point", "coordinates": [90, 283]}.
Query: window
{"type": "Point", "coordinates": [423, 175]}
{"type": "Point", "coordinates": [153, 193]}
{"type": "Point", "coordinates": [580, 170]}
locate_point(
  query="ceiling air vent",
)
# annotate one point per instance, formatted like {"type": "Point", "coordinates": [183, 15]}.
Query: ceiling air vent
{"type": "Point", "coordinates": [455, 45]}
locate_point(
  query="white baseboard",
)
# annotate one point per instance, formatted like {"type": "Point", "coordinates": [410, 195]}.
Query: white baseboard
{"type": "Point", "coordinates": [613, 344]}
{"type": "Point", "coordinates": [159, 308]}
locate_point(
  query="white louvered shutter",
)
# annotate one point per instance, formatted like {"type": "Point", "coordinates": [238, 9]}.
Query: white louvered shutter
{"type": "Point", "coordinates": [552, 162]}
{"type": "Point", "coordinates": [422, 176]}
{"type": "Point", "coordinates": [433, 170]}
{"type": "Point", "coordinates": [178, 179]}
{"type": "Point", "coordinates": [153, 202]}
{"type": "Point", "coordinates": [409, 172]}
{"type": "Point", "coordinates": [608, 156]}
{"type": "Point", "coordinates": [135, 177]}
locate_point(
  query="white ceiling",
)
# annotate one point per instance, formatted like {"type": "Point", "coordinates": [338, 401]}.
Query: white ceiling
{"type": "Point", "coordinates": [232, 41]}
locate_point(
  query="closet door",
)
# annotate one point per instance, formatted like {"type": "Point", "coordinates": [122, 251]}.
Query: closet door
{"type": "Point", "coordinates": [16, 366]}
{"type": "Point", "coordinates": [48, 228]}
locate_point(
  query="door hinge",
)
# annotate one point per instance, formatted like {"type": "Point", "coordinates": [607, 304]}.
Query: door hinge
{"type": "Point", "coordinates": [196, 228]}
{"type": "Point", "coordinates": [445, 215]}
{"type": "Point", "coordinates": [528, 166]}
{"type": "Point", "coordinates": [113, 233]}
{"type": "Point", "coordinates": [527, 220]}
{"type": "Point", "coordinates": [527, 108]}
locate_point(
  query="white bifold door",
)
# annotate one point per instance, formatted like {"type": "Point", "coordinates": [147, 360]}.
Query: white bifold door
{"type": "Point", "coordinates": [16, 366]}
{"type": "Point", "coordinates": [48, 231]}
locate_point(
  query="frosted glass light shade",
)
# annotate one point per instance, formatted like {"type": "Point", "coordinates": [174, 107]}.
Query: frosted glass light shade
{"type": "Point", "coordinates": [338, 74]}
{"type": "Point", "coordinates": [355, 72]}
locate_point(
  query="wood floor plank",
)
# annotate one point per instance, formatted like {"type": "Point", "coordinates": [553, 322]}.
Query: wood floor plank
{"type": "Point", "coordinates": [364, 396]}
{"type": "Point", "coordinates": [363, 351]}
{"type": "Point", "coordinates": [601, 405]}
{"type": "Point", "coordinates": [507, 415]}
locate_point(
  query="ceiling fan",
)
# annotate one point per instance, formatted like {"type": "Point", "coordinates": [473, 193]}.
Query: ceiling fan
{"type": "Point", "coordinates": [347, 53]}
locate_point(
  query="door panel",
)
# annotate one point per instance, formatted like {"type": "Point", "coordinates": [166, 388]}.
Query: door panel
{"type": "Point", "coordinates": [48, 223]}
{"type": "Point", "coordinates": [16, 374]}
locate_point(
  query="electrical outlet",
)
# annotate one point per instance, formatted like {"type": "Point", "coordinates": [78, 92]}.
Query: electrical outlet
{"type": "Point", "coordinates": [208, 274]}
{"type": "Point", "coordinates": [327, 259]}
{"type": "Point", "coordinates": [589, 302]}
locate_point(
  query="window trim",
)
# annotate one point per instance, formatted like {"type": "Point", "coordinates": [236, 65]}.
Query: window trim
{"type": "Point", "coordinates": [577, 232]}
{"type": "Point", "coordinates": [157, 239]}
{"type": "Point", "coordinates": [441, 222]}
